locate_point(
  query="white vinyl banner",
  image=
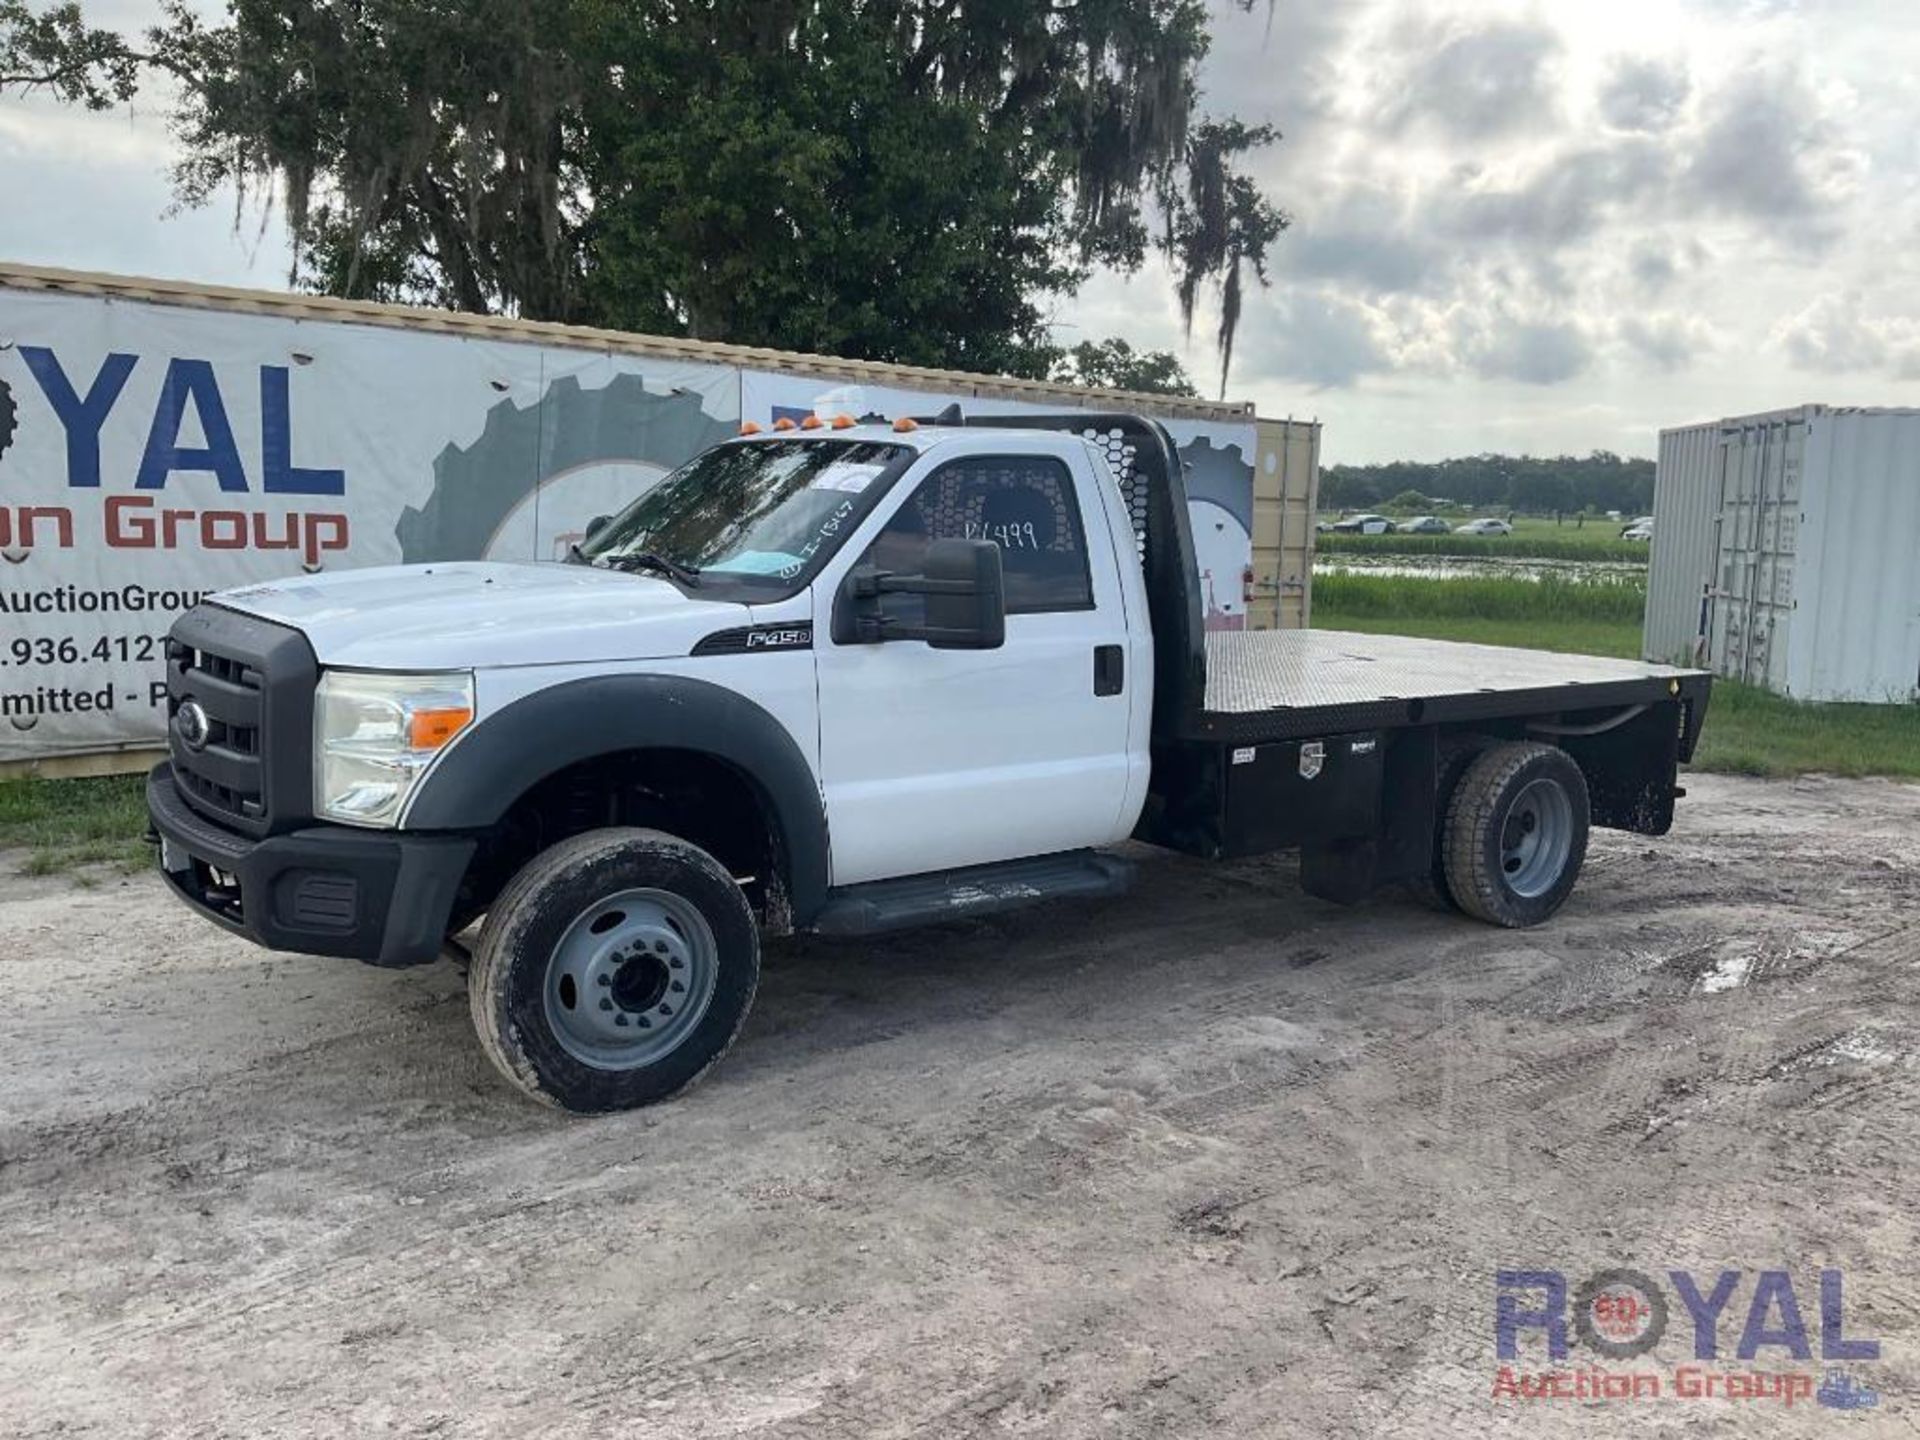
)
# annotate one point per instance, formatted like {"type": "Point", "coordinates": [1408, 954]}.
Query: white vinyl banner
{"type": "Point", "coordinates": [150, 454]}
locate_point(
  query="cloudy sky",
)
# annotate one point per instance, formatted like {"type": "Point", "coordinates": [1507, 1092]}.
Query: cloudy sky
{"type": "Point", "coordinates": [1549, 226]}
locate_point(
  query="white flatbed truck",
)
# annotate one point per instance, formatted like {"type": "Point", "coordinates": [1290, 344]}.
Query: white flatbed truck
{"type": "Point", "coordinates": [844, 678]}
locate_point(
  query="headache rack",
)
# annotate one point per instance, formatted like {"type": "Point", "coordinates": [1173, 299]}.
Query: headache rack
{"type": "Point", "coordinates": [1153, 482]}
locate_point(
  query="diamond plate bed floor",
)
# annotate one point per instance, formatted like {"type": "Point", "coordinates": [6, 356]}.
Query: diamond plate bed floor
{"type": "Point", "coordinates": [1253, 672]}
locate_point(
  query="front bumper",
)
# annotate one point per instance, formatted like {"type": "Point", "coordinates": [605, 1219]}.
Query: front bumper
{"type": "Point", "coordinates": [373, 895]}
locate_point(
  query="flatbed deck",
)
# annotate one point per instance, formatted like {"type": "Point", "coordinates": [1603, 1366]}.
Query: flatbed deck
{"type": "Point", "coordinates": [1284, 684]}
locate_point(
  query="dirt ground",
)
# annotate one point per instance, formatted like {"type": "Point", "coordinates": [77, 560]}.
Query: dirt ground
{"type": "Point", "coordinates": [1214, 1159]}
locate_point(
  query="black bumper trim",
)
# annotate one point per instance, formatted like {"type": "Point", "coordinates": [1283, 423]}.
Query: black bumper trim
{"type": "Point", "coordinates": [371, 895]}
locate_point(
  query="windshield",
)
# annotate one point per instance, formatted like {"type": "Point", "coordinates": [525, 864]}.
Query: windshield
{"type": "Point", "coordinates": [763, 515]}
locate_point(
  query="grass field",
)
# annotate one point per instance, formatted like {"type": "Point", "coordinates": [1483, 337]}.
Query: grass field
{"type": "Point", "coordinates": [1532, 539]}
{"type": "Point", "coordinates": [1476, 597]}
{"type": "Point", "coordinates": [1748, 731]}
{"type": "Point", "coordinates": [61, 825]}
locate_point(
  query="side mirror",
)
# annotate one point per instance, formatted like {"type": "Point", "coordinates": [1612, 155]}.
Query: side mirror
{"type": "Point", "coordinates": [597, 524]}
{"type": "Point", "coordinates": [966, 600]}
{"type": "Point", "coordinates": [968, 610]}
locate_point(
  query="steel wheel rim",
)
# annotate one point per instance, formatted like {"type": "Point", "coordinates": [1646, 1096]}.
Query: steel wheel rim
{"type": "Point", "coordinates": [1536, 839]}
{"type": "Point", "coordinates": [631, 979]}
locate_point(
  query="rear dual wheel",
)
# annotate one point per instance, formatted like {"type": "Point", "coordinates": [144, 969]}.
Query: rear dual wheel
{"type": "Point", "coordinates": [1516, 834]}
{"type": "Point", "coordinates": [1512, 832]}
{"type": "Point", "coordinates": [614, 970]}
{"type": "Point", "coordinates": [1456, 753]}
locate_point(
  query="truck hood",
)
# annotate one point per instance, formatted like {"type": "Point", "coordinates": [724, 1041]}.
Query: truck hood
{"type": "Point", "coordinates": [473, 615]}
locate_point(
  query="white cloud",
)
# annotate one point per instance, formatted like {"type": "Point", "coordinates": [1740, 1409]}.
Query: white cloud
{"type": "Point", "coordinates": [1534, 352]}
{"type": "Point", "coordinates": [1644, 93]}
{"type": "Point", "coordinates": [1835, 335]}
{"type": "Point", "coordinates": [1469, 77]}
{"type": "Point", "coordinates": [1771, 151]}
{"type": "Point", "coordinates": [1668, 342]}
{"type": "Point", "coordinates": [1316, 338]}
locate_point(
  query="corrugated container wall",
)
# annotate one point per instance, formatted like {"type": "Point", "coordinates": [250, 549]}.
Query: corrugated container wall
{"type": "Point", "coordinates": [1286, 490]}
{"type": "Point", "coordinates": [1786, 552]}
{"type": "Point", "coordinates": [1686, 514]}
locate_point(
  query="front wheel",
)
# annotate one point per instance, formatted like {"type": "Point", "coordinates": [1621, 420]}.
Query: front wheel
{"type": "Point", "coordinates": [614, 970]}
{"type": "Point", "coordinates": [1516, 834]}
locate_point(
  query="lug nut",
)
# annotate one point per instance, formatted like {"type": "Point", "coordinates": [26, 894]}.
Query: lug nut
{"type": "Point", "coordinates": [676, 985]}
{"type": "Point", "coordinates": [604, 980]}
{"type": "Point", "coordinates": [620, 1020]}
{"type": "Point", "coordinates": [605, 1004]}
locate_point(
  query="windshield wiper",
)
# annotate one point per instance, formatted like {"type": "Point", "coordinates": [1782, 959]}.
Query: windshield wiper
{"type": "Point", "coordinates": [688, 575]}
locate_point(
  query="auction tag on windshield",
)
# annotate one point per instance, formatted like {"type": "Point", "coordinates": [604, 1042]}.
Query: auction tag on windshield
{"type": "Point", "coordinates": [847, 476]}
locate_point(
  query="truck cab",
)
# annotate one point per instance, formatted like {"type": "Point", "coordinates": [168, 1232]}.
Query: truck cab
{"type": "Point", "coordinates": [843, 677]}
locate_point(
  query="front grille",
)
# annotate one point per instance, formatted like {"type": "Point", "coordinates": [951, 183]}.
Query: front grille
{"type": "Point", "coordinates": [240, 754]}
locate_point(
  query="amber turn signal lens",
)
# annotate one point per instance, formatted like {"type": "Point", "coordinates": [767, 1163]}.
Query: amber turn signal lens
{"type": "Point", "coordinates": [430, 729]}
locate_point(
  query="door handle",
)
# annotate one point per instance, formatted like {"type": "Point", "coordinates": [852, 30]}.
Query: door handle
{"type": "Point", "coordinates": [1109, 669]}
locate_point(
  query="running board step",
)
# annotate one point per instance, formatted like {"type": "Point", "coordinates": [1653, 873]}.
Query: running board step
{"type": "Point", "coordinates": [882, 905]}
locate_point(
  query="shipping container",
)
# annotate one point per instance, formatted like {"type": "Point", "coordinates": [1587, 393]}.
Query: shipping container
{"type": "Point", "coordinates": [1286, 497]}
{"type": "Point", "coordinates": [160, 440]}
{"type": "Point", "coordinates": [1786, 552]}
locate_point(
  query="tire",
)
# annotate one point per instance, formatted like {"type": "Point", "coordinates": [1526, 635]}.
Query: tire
{"type": "Point", "coordinates": [1516, 834]}
{"type": "Point", "coordinates": [614, 970]}
{"type": "Point", "coordinates": [1455, 754]}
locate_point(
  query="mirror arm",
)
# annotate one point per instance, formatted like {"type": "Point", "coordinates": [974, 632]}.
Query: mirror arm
{"type": "Point", "coordinates": [870, 585]}
{"type": "Point", "coordinates": [874, 629]}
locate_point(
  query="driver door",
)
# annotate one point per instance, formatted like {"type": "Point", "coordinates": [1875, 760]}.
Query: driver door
{"type": "Point", "coordinates": [937, 759]}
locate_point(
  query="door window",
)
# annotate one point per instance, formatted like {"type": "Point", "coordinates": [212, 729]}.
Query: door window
{"type": "Point", "coordinates": [1023, 503]}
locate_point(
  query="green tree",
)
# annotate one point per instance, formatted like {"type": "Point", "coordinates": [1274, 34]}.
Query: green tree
{"type": "Point", "coordinates": [905, 180]}
{"type": "Point", "coordinates": [1536, 484]}
{"type": "Point", "coordinates": [1113, 364]}
{"type": "Point", "coordinates": [56, 52]}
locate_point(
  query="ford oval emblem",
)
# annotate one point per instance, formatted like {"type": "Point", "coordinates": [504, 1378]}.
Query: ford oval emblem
{"type": "Point", "coordinates": [192, 725]}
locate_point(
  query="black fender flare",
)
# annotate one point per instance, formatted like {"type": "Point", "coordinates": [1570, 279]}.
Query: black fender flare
{"type": "Point", "coordinates": [539, 735]}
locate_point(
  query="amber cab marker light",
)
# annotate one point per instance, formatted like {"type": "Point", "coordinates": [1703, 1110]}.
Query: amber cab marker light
{"type": "Point", "coordinates": [843, 422]}
{"type": "Point", "coordinates": [903, 425]}
{"type": "Point", "coordinates": [812, 422]}
{"type": "Point", "coordinates": [783, 423]}
{"type": "Point", "coordinates": [749, 427]}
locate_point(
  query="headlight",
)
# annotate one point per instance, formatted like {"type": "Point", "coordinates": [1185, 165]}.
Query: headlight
{"type": "Point", "coordinates": [373, 735]}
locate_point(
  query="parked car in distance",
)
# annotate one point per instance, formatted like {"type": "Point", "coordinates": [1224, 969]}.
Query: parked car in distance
{"type": "Point", "coordinates": [1424, 525]}
{"type": "Point", "coordinates": [1638, 532]}
{"type": "Point", "coordinates": [1487, 526]}
{"type": "Point", "coordinates": [1639, 522]}
{"type": "Point", "coordinates": [1363, 525]}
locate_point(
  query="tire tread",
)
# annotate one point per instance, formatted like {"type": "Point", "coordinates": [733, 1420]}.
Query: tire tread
{"type": "Point", "coordinates": [1476, 887]}
{"type": "Point", "coordinates": [493, 957]}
